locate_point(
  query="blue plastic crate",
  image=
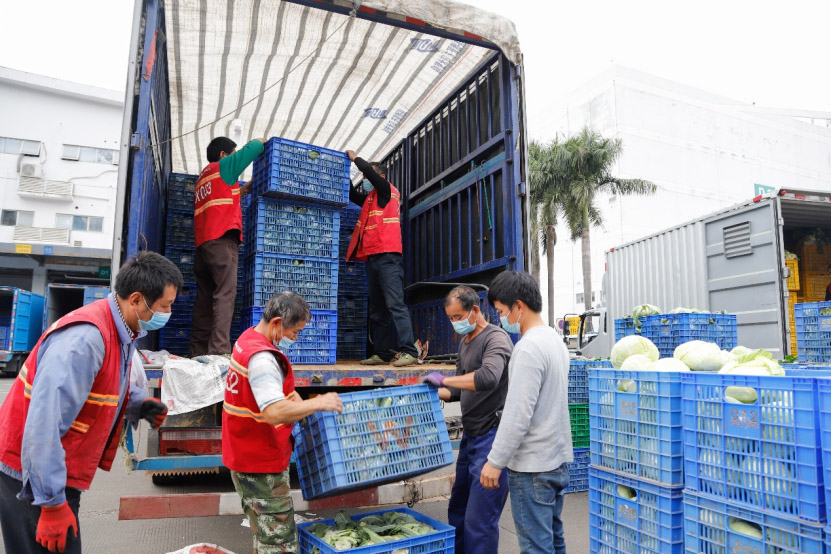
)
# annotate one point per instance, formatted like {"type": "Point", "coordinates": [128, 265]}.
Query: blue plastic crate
{"type": "Point", "coordinates": [707, 529]}
{"type": "Point", "coordinates": [625, 327]}
{"type": "Point", "coordinates": [637, 433]}
{"type": "Point", "coordinates": [813, 331]}
{"type": "Point", "coordinates": [578, 471]}
{"type": "Point", "coordinates": [289, 169]}
{"type": "Point", "coordinates": [314, 279]}
{"type": "Point", "coordinates": [441, 541]}
{"type": "Point", "coordinates": [352, 311]}
{"type": "Point", "coordinates": [183, 258]}
{"type": "Point", "coordinates": [668, 331]}
{"type": "Point", "coordinates": [578, 378]}
{"type": "Point", "coordinates": [179, 238]}
{"type": "Point", "coordinates": [175, 339]}
{"type": "Point", "coordinates": [278, 227]}
{"type": "Point", "coordinates": [348, 219]}
{"type": "Point", "coordinates": [179, 219]}
{"type": "Point", "coordinates": [91, 294]}
{"type": "Point", "coordinates": [352, 342]}
{"type": "Point", "coordinates": [765, 455]}
{"type": "Point", "coordinates": [650, 523]}
{"type": "Point", "coordinates": [180, 190]}
{"type": "Point", "coordinates": [383, 435]}
{"type": "Point", "coordinates": [824, 410]}
{"type": "Point", "coordinates": [316, 343]}
{"type": "Point", "coordinates": [352, 278]}
{"type": "Point", "coordinates": [5, 335]}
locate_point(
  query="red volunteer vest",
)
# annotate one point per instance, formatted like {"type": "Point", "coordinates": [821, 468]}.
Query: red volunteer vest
{"type": "Point", "coordinates": [91, 441]}
{"type": "Point", "coordinates": [216, 206]}
{"type": "Point", "coordinates": [378, 230]}
{"type": "Point", "coordinates": [249, 443]}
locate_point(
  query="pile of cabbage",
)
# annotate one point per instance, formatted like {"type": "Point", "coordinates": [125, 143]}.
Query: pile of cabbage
{"type": "Point", "coordinates": [636, 353]}
{"type": "Point", "coordinates": [373, 529]}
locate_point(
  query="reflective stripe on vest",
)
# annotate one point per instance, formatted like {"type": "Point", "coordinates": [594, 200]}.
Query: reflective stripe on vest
{"type": "Point", "coordinates": [216, 206]}
{"type": "Point", "coordinates": [378, 230]}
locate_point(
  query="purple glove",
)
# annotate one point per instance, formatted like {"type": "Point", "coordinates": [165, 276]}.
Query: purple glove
{"type": "Point", "coordinates": [435, 378]}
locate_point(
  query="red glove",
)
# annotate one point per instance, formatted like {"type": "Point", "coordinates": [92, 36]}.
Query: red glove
{"type": "Point", "coordinates": [154, 411]}
{"type": "Point", "coordinates": [53, 526]}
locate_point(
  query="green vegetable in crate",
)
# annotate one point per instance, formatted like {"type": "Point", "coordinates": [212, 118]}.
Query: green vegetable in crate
{"type": "Point", "coordinates": [744, 354]}
{"type": "Point", "coordinates": [745, 528]}
{"type": "Point", "coordinates": [825, 311]}
{"type": "Point", "coordinates": [760, 367]}
{"type": "Point", "coordinates": [686, 311]}
{"type": "Point", "coordinates": [701, 356]}
{"type": "Point", "coordinates": [631, 345]}
{"type": "Point", "coordinates": [740, 395]}
{"type": "Point", "coordinates": [643, 310]}
{"type": "Point", "coordinates": [370, 530]}
{"type": "Point", "coordinates": [625, 385]}
{"type": "Point", "coordinates": [627, 492]}
{"type": "Point", "coordinates": [668, 364]}
{"type": "Point", "coordinates": [778, 481]}
{"type": "Point", "coordinates": [638, 362]}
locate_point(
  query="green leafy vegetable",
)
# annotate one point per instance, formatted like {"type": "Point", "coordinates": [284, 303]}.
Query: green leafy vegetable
{"type": "Point", "coordinates": [369, 530]}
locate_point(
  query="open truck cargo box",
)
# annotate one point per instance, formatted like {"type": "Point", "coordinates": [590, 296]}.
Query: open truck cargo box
{"type": "Point", "coordinates": [434, 89]}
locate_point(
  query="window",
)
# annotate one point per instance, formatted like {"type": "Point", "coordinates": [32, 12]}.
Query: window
{"type": "Point", "coordinates": [89, 154]}
{"type": "Point", "coordinates": [15, 217]}
{"type": "Point", "coordinates": [580, 297]}
{"type": "Point", "coordinates": [19, 146]}
{"type": "Point", "coordinates": [79, 223]}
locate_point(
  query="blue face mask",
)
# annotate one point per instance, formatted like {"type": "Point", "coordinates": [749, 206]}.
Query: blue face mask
{"type": "Point", "coordinates": [284, 344]}
{"type": "Point", "coordinates": [367, 186]}
{"type": "Point", "coordinates": [156, 322]}
{"type": "Point", "coordinates": [463, 326]}
{"type": "Point", "coordinates": [510, 327]}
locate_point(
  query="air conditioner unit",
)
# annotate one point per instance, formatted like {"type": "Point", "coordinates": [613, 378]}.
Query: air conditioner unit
{"type": "Point", "coordinates": [34, 170]}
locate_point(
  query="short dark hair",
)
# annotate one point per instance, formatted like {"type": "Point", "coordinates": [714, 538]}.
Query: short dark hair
{"type": "Point", "coordinates": [219, 145]}
{"type": "Point", "coordinates": [288, 306]}
{"type": "Point", "coordinates": [148, 273]}
{"type": "Point", "coordinates": [510, 286]}
{"type": "Point", "coordinates": [467, 297]}
{"type": "Point", "coordinates": [379, 167]}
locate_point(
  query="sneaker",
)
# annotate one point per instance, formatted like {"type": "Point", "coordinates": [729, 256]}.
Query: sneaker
{"type": "Point", "coordinates": [374, 360]}
{"type": "Point", "coordinates": [404, 360]}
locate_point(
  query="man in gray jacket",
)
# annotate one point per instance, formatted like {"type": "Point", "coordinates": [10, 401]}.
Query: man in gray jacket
{"type": "Point", "coordinates": [481, 384]}
{"type": "Point", "coordinates": [534, 436]}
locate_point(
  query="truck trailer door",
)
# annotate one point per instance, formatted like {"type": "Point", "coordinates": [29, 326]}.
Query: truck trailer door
{"type": "Point", "coordinates": [744, 253]}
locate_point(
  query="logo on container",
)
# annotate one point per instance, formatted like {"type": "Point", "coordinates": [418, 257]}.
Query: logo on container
{"type": "Point", "coordinates": [375, 113]}
{"type": "Point", "coordinates": [424, 45]}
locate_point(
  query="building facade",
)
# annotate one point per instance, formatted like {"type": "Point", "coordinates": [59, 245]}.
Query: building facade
{"type": "Point", "coordinates": [58, 176]}
{"type": "Point", "coordinates": [704, 152]}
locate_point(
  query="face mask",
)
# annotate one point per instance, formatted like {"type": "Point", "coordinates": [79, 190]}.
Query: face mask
{"type": "Point", "coordinates": [510, 327]}
{"type": "Point", "coordinates": [156, 322]}
{"type": "Point", "coordinates": [367, 186]}
{"type": "Point", "coordinates": [463, 326]}
{"type": "Point", "coordinates": [283, 344]}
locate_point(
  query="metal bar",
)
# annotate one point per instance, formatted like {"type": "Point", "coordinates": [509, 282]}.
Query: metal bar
{"type": "Point", "coordinates": [172, 463]}
{"type": "Point", "coordinates": [490, 101]}
{"type": "Point", "coordinates": [478, 112]}
{"type": "Point", "coordinates": [504, 261]}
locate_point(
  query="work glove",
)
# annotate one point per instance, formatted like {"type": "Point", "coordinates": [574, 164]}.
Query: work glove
{"type": "Point", "coordinates": [154, 411]}
{"type": "Point", "coordinates": [53, 526]}
{"type": "Point", "coordinates": [435, 378]}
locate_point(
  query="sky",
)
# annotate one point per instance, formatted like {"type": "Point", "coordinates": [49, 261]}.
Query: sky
{"type": "Point", "coordinates": [768, 52]}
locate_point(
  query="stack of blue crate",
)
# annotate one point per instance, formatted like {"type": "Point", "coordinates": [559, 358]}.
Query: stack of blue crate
{"type": "Point", "coordinates": [352, 294]}
{"type": "Point", "coordinates": [292, 230]}
{"type": "Point", "coordinates": [179, 248]}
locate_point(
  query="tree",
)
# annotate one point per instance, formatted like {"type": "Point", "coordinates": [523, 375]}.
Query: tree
{"type": "Point", "coordinates": [584, 163]}
{"type": "Point", "coordinates": [547, 197]}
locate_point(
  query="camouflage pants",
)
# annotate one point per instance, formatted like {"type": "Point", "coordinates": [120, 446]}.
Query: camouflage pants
{"type": "Point", "coordinates": [266, 502]}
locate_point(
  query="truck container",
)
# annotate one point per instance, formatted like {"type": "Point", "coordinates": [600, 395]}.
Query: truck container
{"type": "Point", "coordinates": [732, 260]}
{"type": "Point", "coordinates": [438, 99]}
{"type": "Point", "coordinates": [20, 326]}
{"type": "Point", "coordinates": [62, 298]}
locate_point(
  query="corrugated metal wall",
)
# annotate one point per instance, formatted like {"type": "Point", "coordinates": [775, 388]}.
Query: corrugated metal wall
{"type": "Point", "coordinates": [668, 270]}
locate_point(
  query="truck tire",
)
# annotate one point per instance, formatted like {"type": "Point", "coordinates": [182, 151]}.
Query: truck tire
{"type": "Point", "coordinates": [12, 367]}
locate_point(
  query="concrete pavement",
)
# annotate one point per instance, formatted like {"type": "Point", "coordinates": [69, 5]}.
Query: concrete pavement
{"type": "Point", "coordinates": [102, 533]}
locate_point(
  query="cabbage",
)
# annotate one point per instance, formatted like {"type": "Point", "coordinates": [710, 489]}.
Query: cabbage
{"type": "Point", "coordinates": [701, 356]}
{"type": "Point", "coordinates": [631, 345]}
{"type": "Point", "coordinates": [626, 385]}
{"type": "Point", "coordinates": [668, 364]}
{"type": "Point", "coordinates": [760, 367]}
{"type": "Point", "coordinates": [627, 492]}
{"type": "Point", "coordinates": [741, 395]}
{"type": "Point", "coordinates": [744, 354]}
{"type": "Point", "coordinates": [777, 477]}
{"type": "Point", "coordinates": [642, 311]}
{"type": "Point", "coordinates": [745, 528]}
{"type": "Point", "coordinates": [686, 311]}
{"type": "Point", "coordinates": [638, 362]}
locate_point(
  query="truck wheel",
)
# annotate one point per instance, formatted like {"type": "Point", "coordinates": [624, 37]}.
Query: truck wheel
{"type": "Point", "coordinates": [12, 367]}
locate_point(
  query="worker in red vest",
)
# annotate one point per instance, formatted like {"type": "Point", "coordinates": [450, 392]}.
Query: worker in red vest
{"type": "Point", "coordinates": [217, 230]}
{"type": "Point", "coordinates": [64, 414]}
{"type": "Point", "coordinates": [377, 240]}
{"type": "Point", "coordinates": [260, 408]}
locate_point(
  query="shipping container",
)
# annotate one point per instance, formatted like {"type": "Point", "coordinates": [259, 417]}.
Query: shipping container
{"type": "Point", "coordinates": [732, 261]}
{"type": "Point", "coordinates": [21, 317]}
{"type": "Point", "coordinates": [62, 298]}
{"type": "Point", "coordinates": [439, 101]}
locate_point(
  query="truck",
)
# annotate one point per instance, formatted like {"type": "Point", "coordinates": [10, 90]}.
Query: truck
{"type": "Point", "coordinates": [21, 316]}
{"type": "Point", "coordinates": [438, 98]}
{"type": "Point", "coordinates": [733, 260]}
{"type": "Point", "coordinates": [62, 298]}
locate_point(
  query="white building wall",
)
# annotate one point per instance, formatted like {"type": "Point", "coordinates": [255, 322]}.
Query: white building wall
{"type": "Point", "coordinates": [56, 113]}
{"type": "Point", "coordinates": [704, 153]}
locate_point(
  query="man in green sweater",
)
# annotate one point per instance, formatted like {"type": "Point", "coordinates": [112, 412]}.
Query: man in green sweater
{"type": "Point", "coordinates": [217, 230]}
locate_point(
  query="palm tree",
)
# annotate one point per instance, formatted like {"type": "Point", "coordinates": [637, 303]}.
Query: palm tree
{"type": "Point", "coordinates": [585, 162]}
{"type": "Point", "coordinates": [548, 194]}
